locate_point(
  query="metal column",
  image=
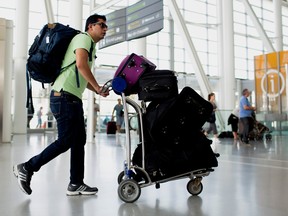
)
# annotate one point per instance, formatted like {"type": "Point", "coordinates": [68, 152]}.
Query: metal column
{"type": "Point", "coordinates": [21, 28]}
{"type": "Point", "coordinates": [91, 95]}
{"type": "Point", "coordinates": [6, 47]}
{"type": "Point", "coordinates": [227, 75]}
{"type": "Point", "coordinates": [76, 14]}
{"type": "Point", "coordinates": [278, 24]}
{"type": "Point", "coordinates": [49, 11]}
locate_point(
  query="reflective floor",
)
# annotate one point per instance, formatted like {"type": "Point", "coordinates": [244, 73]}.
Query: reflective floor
{"type": "Point", "coordinates": [249, 181]}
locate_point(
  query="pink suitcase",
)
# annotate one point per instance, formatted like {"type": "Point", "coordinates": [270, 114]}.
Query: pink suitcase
{"type": "Point", "coordinates": [130, 69]}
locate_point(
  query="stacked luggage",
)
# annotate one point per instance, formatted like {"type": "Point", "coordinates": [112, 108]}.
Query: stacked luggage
{"type": "Point", "coordinates": [172, 144]}
{"type": "Point", "coordinates": [173, 138]}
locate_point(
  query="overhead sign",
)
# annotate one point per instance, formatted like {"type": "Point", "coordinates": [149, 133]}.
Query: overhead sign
{"type": "Point", "coordinates": [117, 28]}
{"type": "Point", "coordinates": [144, 18]}
{"type": "Point", "coordinates": [139, 20]}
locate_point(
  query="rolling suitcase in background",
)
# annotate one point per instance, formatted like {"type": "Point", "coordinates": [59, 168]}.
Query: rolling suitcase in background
{"type": "Point", "coordinates": [158, 85]}
{"type": "Point", "coordinates": [130, 69]}
{"type": "Point", "coordinates": [111, 127]}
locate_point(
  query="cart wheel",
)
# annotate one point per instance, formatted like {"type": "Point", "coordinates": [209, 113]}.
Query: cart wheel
{"type": "Point", "coordinates": [121, 177]}
{"type": "Point", "coordinates": [194, 187]}
{"type": "Point", "coordinates": [129, 191]}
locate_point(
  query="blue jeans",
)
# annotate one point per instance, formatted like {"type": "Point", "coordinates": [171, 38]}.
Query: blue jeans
{"type": "Point", "coordinates": [68, 112]}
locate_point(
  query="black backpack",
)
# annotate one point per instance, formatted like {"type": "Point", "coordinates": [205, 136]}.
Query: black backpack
{"type": "Point", "coordinates": [47, 53]}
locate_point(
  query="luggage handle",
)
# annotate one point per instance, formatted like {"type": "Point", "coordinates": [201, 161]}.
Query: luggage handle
{"type": "Point", "coordinates": [156, 88]}
{"type": "Point", "coordinates": [107, 86]}
{"type": "Point", "coordinates": [144, 64]}
{"type": "Point", "coordinates": [132, 63]}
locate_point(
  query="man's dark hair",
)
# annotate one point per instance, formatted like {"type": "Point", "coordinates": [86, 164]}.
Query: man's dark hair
{"type": "Point", "coordinates": [94, 18]}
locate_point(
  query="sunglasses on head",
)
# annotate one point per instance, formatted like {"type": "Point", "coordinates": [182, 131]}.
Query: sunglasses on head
{"type": "Point", "coordinates": [101, 24]}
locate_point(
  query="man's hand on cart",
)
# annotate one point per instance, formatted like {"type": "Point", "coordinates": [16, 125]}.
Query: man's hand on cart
{"type": "Point", "coordinates": [103, 93]}
{"type": "Point", "coordinates": [107, 87]}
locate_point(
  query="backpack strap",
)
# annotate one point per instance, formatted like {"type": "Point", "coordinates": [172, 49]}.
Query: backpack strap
{"type": "Point", "coordinates": [76, 69]}
{"type": "Point", "coordinates": [29, 100]}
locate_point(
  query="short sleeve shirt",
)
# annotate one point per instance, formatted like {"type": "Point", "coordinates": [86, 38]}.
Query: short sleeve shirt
{"type": "Point", "coordinates": [118, 109]}
{"type": "Point", "coordinates": [67, 80]}
{"type": "Point", "coordinates": [242, 112]}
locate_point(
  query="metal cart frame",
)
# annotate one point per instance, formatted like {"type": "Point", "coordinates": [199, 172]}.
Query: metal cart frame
{"type": "Point", "coordinates": [130, 181]}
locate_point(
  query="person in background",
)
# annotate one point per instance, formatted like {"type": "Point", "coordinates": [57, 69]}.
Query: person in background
{"type": "Point", "coordinates": [234, 121]}
{"type": "Point", "coordinates": [245, 115]}
{"type": "Point", "coordinates": [67, 108]}
{"type": "Point", "coordinates": [96, 110]}
{"type": "Point", "coordinates": [106, 120]}
{"type": "Point", "coordinates": [39, 117]}
{"type": "Point", "coordinates": [118, 108]}
{"type": "Point", "coordinates": [212, 119]}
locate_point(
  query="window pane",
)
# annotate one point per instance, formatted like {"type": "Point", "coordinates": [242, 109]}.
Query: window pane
{"type": "Point", "coordinates": [240, 51]}
{"type": "Point", "coordinates": [165, 52]}
{"type": "Point", "coordinates": [239, 40]}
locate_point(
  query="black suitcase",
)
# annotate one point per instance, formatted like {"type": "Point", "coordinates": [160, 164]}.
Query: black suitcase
{"type": "Point", "coordinates": [176, 120]}
{"type": "Point", "coordinates": [158, 85]}
{"type": "Point", "coordinates": [168, 161]}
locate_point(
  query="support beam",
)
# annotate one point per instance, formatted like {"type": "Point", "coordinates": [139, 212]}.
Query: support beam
{"type": "Point", "coordinates": [258, 26]}
{"type": "Point", "coordinates": [199, 72]}
{"type": "Point", "coordinates": [76, 14]}
{"type": "Point", "coordinates": [277, 12]}
{"type": "Point", "coordinates": [99, 8]}
{"type": "Point", "coordinates": [20, 60]}
{"type": "Point", "coordinates": [49, 11]}
{"type": "Point", "coordinates": [227, 75]}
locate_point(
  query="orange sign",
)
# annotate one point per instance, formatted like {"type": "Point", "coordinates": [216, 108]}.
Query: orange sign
{"type": "Point", "coordinates": [270, 81]}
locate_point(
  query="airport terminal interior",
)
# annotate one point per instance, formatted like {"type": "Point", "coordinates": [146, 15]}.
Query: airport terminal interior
{"type": "Point", "coordinates": [219, 46]}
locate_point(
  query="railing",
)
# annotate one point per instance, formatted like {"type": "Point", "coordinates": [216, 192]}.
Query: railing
{"type": "Point", "coordinates": [278, 124]}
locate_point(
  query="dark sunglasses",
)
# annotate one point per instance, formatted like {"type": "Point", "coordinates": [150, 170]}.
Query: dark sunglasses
{"type": "Point", "coordinates": [101, 24]}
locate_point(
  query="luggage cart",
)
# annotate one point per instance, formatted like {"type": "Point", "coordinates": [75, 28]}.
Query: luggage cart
{"type": "Point", "coordinates": [134, 177]}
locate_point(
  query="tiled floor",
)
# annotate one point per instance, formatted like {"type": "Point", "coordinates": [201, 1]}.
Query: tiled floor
{"type": "Point", "coordinates": [249, 181]}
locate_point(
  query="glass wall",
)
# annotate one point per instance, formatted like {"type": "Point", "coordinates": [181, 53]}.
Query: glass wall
{"type": "Point", "coordinates": [166, 48]}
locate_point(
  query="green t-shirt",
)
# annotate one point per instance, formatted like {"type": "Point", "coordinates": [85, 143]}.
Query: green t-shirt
{"type": "Point", "coordinates": [67, 79]}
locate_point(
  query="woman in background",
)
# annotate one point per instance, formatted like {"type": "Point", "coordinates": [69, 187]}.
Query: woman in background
{"type": "Point", "coordinates": [212, 119]}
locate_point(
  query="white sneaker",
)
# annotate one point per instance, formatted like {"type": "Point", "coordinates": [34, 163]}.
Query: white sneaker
{"type": "Point", "coordinates": [82, 189]}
